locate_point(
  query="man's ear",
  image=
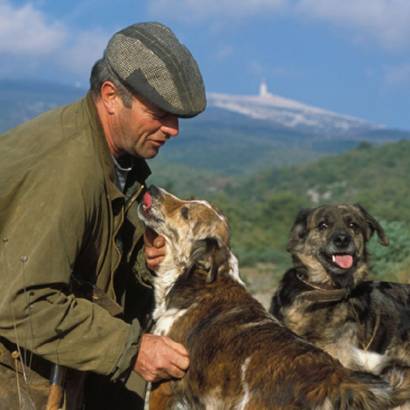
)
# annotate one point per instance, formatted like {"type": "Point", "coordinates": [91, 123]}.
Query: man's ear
{"type": "Point", "coordinates": [109, 97]}
{"type": "Point", "coordinates": [208, 254]}
{"type": "Point", "coordinates": [299, 229]}
{"type": "Point", "coordinates": [373, 226]}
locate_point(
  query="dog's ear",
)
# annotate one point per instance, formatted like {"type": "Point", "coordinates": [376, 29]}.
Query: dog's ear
{"type": "Point", "coordinates": [210, 255]}
{"type": "Point", "coordinates": [299, 229]}
{"type": "Point", "coordinates": [373, 226]}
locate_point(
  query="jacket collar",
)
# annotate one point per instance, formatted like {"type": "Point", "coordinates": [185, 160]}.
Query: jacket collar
{"type": "Point", "coordinates": [140, 170]}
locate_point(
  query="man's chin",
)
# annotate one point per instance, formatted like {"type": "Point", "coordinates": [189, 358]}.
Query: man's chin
{"type": "Point", "coordinates": [152, 153]}
{"type": "Point", "coordinates": [148, 153]}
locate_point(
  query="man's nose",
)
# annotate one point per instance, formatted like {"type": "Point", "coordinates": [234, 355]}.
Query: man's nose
{"type": "Point", "coordinates": [170, 125]}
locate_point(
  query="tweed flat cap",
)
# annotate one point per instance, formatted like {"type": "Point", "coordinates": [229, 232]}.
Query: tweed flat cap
{"type": "Point", "coordinates": [150, 60]}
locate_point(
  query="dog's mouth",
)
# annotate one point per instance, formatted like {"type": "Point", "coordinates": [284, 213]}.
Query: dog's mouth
{"type": "Point", "coordinates": [343, 261]}
{"type": "Point", "coordinates": [148, 212]}
{"type": "Point", "coordinates": [145, 208]}
{"type": "Point", "coordinates": [146, 202]}
{"type": "Point", "coordinates": [339, 262]}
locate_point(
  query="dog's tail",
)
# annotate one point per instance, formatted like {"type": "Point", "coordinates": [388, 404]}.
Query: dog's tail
{"type": "Point", "coordinates": [364, 391]}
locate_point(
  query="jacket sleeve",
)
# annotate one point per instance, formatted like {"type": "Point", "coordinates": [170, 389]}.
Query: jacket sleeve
{"type": "Point", "coordinates": [44, 226]}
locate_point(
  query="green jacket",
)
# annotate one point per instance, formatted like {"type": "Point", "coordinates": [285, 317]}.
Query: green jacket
{"type": "Point", "coordinates": [60, 217]}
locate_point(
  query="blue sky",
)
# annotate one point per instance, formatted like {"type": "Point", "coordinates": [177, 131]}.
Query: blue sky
{"type": "Point", "coordinates": [350, 56]}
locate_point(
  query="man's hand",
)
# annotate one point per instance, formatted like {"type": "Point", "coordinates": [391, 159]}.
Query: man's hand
{"type": "Point", "coordinates": [161, 358]}
{"type": "Point", "coordinates": [154, 248]}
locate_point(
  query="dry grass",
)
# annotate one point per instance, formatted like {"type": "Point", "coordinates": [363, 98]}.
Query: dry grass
{"type": "Point", "coordinates": [261, 280]}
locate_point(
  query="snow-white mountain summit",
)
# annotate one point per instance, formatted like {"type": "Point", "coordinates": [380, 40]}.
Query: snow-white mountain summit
{"type": "Point", "coordinates": [291, 114]}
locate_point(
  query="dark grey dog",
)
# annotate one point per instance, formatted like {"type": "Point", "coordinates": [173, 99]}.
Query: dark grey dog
{"type": "Point", "coordinates": [326, 299]}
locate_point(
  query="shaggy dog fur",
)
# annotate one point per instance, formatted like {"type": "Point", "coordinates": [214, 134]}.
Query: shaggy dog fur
{"type": "Point", "coordinates": [240, 356]}
{"type": "Point", "coordinates": [325, 298]}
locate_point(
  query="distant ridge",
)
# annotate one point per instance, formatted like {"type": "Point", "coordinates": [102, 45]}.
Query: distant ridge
{"type": "Point", "coordinates": [234, 136]}
{"type": "Point", "coordinates": [291, 114]}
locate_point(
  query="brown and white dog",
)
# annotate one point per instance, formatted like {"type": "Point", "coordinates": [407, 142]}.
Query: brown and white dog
{"type": "Point", "coordinates": [240, 356]}
{"type": "Point", "coordinates": [326, 298]}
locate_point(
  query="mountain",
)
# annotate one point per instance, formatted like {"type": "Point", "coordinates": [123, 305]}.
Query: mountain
{"type": "Point", "coordinates": [292, 115]}
{"type": "Point", "coordinates": [21, 100]}
{"type": "Point", "coordinates": [239, 134]}
{"type": "Point", "coordinates": [236, 135]}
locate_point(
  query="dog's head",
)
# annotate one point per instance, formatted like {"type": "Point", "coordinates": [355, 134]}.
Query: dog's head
{"type": "Point", "coordinates": [196, 234]}
{"type": "Point", "coordinates": [330, 242]}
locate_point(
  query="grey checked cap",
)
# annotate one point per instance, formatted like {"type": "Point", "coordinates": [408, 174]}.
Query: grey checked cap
{"type": "Point", "coordinates": [151, 61]}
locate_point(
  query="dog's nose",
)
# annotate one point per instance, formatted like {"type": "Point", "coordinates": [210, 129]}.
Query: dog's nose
{"type": "Point", "coordinates": [341, 240]}
{"type": "Point", "coordinates": [154, 191]}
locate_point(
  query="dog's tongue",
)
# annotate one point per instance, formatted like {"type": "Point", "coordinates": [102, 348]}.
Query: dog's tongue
{"type": "Point", "coordinates": [343, 261]}
{"type": "Point", "coordinates": [147, 200]}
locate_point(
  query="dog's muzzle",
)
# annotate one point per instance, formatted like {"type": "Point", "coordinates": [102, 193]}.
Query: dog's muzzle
{"type": "Point", "coordinates": [149, 210]}
{"type": "Point", "coordinates": [341, 240]}
{"type": "Point", "coordinates": [341, 250]}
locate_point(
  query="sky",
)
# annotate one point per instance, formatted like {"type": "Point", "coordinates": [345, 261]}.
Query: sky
{"type": "Point", "coordinates": [349, 56]}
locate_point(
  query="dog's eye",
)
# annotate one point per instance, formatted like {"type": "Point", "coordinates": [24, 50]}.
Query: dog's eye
{"type": "Point", "coordinates": [354, 226]}
{"type": "Point", "coordinates": [322, 226]}
{"type": "Point", "coordinates": [185, 212]}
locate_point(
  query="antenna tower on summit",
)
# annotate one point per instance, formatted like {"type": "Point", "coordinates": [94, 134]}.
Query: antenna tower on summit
{"type": "Point", "coordinates": [263, 89]}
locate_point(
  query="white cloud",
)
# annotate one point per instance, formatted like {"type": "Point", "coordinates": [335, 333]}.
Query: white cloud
{"type": "Point", "coordinates": [386, 21]}
{"type": "Point", "coordinates": [24, 30]}
{"type": "Point", "coordinates": [34, 43]}
{"type": "Point", "coordinates": [85, 48]}
{"type": "Point", "coordinates": [189, 10]}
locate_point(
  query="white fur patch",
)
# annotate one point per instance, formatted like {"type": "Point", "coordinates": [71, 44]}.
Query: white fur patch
{"type": "Point", "coordinates": [327, 405]}
{"type": "Point", "coordinates": [369, 361]}
{"type": "Point", "coordinates": [234, 269]}
{"type": "Point", "coordinates": [167, 319]}
{"type": "Point", "coordinates": [259, 323]}
{"type": "Point", "coordinates": [246, 394]}
{"type": "Point", "coordinates": [403, 407]}
{"type": "Point", "coordinates": [163, 282]}
{"type": "Point", "coordinates": [213, 400]}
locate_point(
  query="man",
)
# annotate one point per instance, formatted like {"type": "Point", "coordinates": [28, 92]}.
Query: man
{"type": "Point", "coordinates": [75, 284]}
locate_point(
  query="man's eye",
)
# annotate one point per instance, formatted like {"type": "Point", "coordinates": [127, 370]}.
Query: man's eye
{"type": "Point", "coordinates": [185, 212]}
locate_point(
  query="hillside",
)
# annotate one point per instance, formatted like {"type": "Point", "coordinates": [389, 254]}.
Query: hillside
{"type": "Point", "coordinates": [23, 100]}
{"type": "Point", "coordinates": [375, 175]}
{"type": "Point", "coordinates": [263, 207]}
{"type": "Point", "coordinates": [226, 140]}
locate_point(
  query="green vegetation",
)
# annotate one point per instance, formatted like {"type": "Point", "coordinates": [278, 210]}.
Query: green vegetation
{"type": "Point", "coordinates": [262, 206]}
{"type": "Point", "coordinates": [392, 262]}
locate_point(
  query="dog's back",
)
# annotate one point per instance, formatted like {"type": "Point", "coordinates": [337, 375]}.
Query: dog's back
{"type": "Point", "coordinates": [242, 358]}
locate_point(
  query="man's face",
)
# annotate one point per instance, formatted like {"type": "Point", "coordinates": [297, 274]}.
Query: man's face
{"type": "Point", "coordinates": [142, 129]}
